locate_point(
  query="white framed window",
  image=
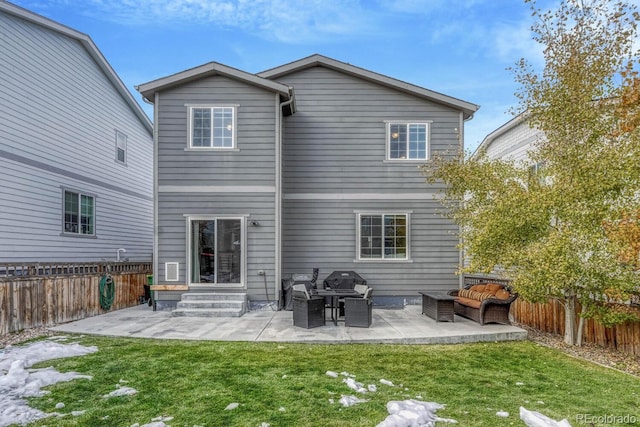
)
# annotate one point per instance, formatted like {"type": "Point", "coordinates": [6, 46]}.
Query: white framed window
{"type": "Point", "coordinates": [216, 247]}
{"type": "Point", "coordinates": [78, 213]}
{"type": "Point", "coordinates": [407, 140]}
{"type": "Point", "coordinates": [121, 147]}
{"type": "Point", "coordinates": [383, 236]}
{"type": "Point", "coordinates": [212, 126]}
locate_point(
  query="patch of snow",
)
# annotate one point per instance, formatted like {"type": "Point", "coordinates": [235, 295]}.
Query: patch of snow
{"type": "Point", "coordinates": [354, 385]}
{"type": "Point", "coordinates": [121, 391]}
{"type": "Point", "coordinates": [502, 414]}
{"type": "Point", "coordinates": [332, 374]}
{"type": "Point", "coordinates": [18, 382]}
{"type": "Point", "coordinates": [519, 383]}
{"type": "Point", "coordinates": [387, 382]}
{"type": "Point", "coordinates": [281, 409]}
{"type": "Point", "coordinates": [231, 406]}
{"type": "Point", "coordinates": [536, 419]}
{"type": "Point", "coordinates": [409, 413]}
{"type": "Point", "coordinates": [77, 413]}
{"type": "Point", "coordinates": [59, 405]}
{"type": "Point", "coordinates": [372, 388]}
{"type": "Point", "coordinates": [350, 400]}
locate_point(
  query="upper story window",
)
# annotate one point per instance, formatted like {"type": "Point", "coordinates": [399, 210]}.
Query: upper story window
{"type": "Point", "coordinates": [212, 127]}
{"type": "Point", "coordinates": [407, 141]}
{"type": "Point", "coordinates": [79, 213]}
{"type": "Point", "coordinates": [121, 147]}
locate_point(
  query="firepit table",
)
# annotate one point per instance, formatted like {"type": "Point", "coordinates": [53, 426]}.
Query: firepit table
{"type": "Point", "coordinates": [437, 305]}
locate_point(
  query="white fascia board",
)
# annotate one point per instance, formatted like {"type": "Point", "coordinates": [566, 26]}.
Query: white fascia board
{"type": "Point", "coordinates": [90, 47]}
{"type": "Point", "coordinates": [319, 60]}
{"type": "Point", "coordinates": [488, 140]}
{"type": "Point", "coordinates": [209, 69]}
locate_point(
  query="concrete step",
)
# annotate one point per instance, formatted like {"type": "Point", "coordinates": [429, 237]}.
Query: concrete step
{"type": "Point", "coordinates": [211, 304]}
{"type": "Point", "coordinates": [207, 312]}
{"type": "Point", "coordinates": [210, 296]}
{"type": "Point", "coordinates": [202, 303]}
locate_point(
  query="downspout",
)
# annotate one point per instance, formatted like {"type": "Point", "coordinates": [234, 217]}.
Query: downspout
{"type": "Point", "coordinates": [156, 267]}
{"type": "Point", "coordinates": [278, 195]}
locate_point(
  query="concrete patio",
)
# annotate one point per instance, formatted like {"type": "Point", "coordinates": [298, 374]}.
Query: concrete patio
{"type": "Point", "coordinates": [390, 326]}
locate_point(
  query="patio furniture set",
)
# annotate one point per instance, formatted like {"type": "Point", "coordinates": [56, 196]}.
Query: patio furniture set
{"type": "Point", "coordinates": [344, 293]}
{"type": "Point", "coordinates": [347, 295]}
{"type": "Point", "coordinates": [487, 302]}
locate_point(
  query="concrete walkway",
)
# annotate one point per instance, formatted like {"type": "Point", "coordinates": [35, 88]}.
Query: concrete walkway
{"type": "Point", "coordinates": [391, 326]}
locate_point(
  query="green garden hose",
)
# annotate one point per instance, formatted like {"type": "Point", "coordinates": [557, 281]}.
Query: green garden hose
{"type": "Point", "coordinates": [107, 291]}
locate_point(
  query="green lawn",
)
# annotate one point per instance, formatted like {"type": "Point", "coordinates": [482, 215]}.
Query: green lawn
{"type": "Point", "coordinates": [287, 385]}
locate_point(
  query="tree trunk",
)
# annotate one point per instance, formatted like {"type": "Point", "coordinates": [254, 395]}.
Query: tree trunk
{"type": "Point", "coordinates": [581, 326]}
{"type": "Point", "coordinates": [569, 320]}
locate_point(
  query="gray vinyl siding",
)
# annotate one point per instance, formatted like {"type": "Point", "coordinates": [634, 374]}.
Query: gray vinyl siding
{"type": "Point", "coordinates": [59, 114]}
{"type": "Point", "coordinates": [335, 146]}
{"type": "Point", "coordinates": [322, 234]}
{"type": "Point", "coordinates": [260, 250]}
{"type": "Point", "coordinates": [253, 164]}
{"type": "Point", "coordinates": [336, 140]}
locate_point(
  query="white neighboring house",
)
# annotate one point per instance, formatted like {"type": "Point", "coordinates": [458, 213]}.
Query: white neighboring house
{"type": "Point", "coordinates": [511, 141]}
{"type": "Point", "coordinates": [76, 175]}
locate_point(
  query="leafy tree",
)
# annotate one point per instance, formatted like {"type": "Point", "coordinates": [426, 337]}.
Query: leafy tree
{"type": "Point", "coordinates": [569, 231]}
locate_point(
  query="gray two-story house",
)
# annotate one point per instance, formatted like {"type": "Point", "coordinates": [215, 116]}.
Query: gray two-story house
{"type": "Point", "coordinates": [76, 177]}
{"type": "Point", "coordinates": [313, 164]}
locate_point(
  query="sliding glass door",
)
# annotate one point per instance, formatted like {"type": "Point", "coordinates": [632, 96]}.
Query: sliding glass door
{"type": "Point", "coordinates": [216, 251]}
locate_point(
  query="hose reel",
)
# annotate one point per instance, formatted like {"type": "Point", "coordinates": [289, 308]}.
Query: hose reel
{"type": "Point", "coordinates": [107, 291]}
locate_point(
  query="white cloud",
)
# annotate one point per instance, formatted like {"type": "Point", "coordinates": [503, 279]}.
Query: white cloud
{"type": "Point", "coordinates": [512, 41]}
{"type": "Point", "coordinates": [286, 21]}
{"type": "Point", "coordinates": [426, 6]}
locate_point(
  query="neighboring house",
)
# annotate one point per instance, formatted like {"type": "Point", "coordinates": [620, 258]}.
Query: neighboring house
{"type": "Point", "coordinates": [76, 180]}
{"type": "Point", "coordinates": [313, 164]}
{"type": "Point", "coordinates": [511, 141]}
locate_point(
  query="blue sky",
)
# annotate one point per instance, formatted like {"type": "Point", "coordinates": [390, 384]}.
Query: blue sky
{"type": "Point", "coordinates": [461, 48]}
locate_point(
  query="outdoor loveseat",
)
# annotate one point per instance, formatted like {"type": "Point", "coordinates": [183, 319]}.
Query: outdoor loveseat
{"type": "Point", "coordinates": [484, 303]}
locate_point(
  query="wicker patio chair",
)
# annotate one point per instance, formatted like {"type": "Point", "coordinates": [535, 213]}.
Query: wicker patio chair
{"type": "Point", "coordinates": [358, 311]}
{"type": "Point", "coordinates": [308, 310]}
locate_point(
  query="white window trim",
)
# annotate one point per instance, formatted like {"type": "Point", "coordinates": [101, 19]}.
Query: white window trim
{"type": "Point", "coordinates": [191, 107]}
{"type": "Point", "coordinates": [243, 261]}
{"type": "Point", "coordinates": [95, 222]}
{"type": "Point", "coordinates": [359, 214]}
{"type": "Point", "coordinates": [388, 124]}
{"type": "Point", "coordinates": [126, 154]}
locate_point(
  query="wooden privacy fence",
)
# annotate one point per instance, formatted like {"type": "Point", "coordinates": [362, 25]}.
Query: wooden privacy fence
{"type": "Point", "coordinates": [39, 295]}
{"type": "Point", "coordinates": [549, 317]}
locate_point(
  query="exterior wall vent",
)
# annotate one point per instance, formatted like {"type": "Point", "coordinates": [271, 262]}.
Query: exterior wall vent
{"type": "Point", "coordinates": [171, 271]}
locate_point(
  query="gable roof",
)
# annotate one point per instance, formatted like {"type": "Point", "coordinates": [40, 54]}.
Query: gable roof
{"type": "Point", "coordinates": [91, 49]}
{"type": "Point", "coordinates": [317, 60]}
{"type": "Point", "coordinates": [212, 69]}
{"type": "Point", "coordinates": [488, 140]}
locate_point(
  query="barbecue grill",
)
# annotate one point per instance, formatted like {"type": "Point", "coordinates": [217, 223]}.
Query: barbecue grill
{"type": "Point", "coordinates": [343, 280]}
